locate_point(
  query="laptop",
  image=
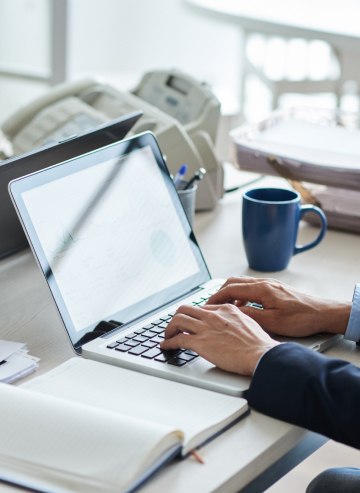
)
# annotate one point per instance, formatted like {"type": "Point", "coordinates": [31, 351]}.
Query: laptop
{"type": "Point", "coordinates": [119, 256]}
{"type": "Point", "coordinates": [12, 237]}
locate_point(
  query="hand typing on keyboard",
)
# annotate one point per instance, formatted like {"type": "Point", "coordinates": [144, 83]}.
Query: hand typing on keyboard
{"type": "Point", "coordinates": [286, 310]}
{"type": "Point", "coordinates": [222, 334]}
{"type": "Point", "coordinates": [226, 330]}
{"type": "Point", "coordinates": [144, 343]}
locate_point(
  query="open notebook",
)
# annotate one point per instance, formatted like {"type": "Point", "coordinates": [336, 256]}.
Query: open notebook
{"type": "Point", "coordinates": [88, 427]}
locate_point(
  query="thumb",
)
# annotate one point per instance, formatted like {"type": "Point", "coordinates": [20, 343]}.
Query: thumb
{"type": "Point", "coordinates": [255, 313]}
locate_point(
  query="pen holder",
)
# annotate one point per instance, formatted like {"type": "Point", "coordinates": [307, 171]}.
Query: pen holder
{"type": "Point", "coordinates": [187, 198]}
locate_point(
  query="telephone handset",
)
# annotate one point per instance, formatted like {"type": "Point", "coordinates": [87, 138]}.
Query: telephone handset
{"type": "Point", "coordinates": [182, 113]}
{"type": "Point", "coordinates": [38, 123]}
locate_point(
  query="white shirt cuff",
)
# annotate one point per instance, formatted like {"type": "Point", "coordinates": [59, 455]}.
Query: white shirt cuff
{"type": "Point", "coordinates": [353, 329]}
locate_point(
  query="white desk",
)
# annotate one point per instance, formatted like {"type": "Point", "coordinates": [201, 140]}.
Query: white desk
{"type": "Point", "coordinates": [242, 453]}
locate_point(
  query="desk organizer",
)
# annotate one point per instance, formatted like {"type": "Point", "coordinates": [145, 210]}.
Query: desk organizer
{"type": "Point", "coordinates": [311, 145]}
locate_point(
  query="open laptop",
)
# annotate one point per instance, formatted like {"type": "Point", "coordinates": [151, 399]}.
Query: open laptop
{"type": "Point", "coordinates": [12, 237]}
{"type": "Point", "coordinates": [119, 256]}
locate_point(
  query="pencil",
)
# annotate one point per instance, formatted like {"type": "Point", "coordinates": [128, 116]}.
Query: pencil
{"type": "Point", "coordinates": [197, 456]}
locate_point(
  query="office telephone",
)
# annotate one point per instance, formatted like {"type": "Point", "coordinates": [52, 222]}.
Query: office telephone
{"type": "Point", "coordinates": [181, 112]}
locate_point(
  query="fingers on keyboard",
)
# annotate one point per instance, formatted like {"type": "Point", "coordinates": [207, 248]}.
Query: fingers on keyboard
{"type": "Point", "coordinates": [145, 341]}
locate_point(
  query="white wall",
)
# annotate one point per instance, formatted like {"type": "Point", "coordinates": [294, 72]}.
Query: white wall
{"type": "Point", "coordinates": [25, 33]}
{"type": "Point", "coordinates": [24, 45]}
{"type": "Point", "coordinates": [121, 39]}
{"type": "Point", "coordinates": [118, 40]}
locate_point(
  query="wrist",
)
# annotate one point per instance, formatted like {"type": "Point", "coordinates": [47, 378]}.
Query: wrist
{"type": "Point", "coordinates": [258, 354]}
{"type": "Point", "coordinates": [336, 317]}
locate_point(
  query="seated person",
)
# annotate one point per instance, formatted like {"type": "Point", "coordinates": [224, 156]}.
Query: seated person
{"type": "Point", "coordinates": [315, 392]}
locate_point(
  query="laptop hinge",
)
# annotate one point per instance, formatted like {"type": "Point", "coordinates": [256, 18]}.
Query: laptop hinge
{"type": "Point", "coordinates": [146, 315]}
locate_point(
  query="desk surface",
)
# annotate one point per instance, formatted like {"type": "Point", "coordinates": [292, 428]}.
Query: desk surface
{"type": "Point", "coordinates": [323, 19]}
{"type": "Point", "coordinates": [250, 447]}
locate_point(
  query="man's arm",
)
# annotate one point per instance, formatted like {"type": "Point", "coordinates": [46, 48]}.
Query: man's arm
{"type": "Point", "coordinates": [291, 382]}
{"type": "Point", "coordinates": [305, 388]}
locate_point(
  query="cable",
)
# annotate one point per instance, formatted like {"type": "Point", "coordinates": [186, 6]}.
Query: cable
{"type": "Point", "coordinates": [229, 190]}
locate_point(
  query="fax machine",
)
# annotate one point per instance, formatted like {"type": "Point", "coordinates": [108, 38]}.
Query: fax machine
{"type": "Point", "coordinates": [181, 112]}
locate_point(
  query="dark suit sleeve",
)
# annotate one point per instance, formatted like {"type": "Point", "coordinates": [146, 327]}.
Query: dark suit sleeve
{"type": "Point", "coordinates": [305, 388]}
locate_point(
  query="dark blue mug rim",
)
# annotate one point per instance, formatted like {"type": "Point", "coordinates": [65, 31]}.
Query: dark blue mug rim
{"type": "Point", "coordinates": [279, 202]}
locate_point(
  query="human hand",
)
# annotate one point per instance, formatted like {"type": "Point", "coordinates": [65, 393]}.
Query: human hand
{"type": "Point", "coordinates": [221, 334]}
{"type": "Point", "coordinates": [286, 310]}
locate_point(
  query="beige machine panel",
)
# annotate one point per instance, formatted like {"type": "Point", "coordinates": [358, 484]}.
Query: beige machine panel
{"type": "Point", "coordinates": [181, 112]}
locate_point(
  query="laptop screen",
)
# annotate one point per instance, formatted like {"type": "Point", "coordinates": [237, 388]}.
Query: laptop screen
{"type": "Point", "coordinates": [12, 236]}
{"type": "Point", "coordinates": [111, 235]}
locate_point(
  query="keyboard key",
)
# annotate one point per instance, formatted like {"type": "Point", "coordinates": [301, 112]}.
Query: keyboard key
{"type": "Point", "coordinates": [139, 331]}
{"type": "Point", "coordinates": [121, 341]}
{"type": "Point", "coordinates": [151, 353]}
{"type": "Point", "coordinates": [187, 357]}
{"type": "Point", "coordinates": [123, 348]}
{"type": "Point", "coordinates": [148, 334]}
{"type": "Point", "coordinates": [159, 338]}
{"type": "Point", "coordinates": [166, 355]}
{"type": "Point", "coordinates": [112, 345]}
{"type": "Point", "coordinates": [147, 327]}
{"type": "Point", "coordinates": [140, 339]}
{"type": "Point", "coordinates": [165, 318]}
{"type": "Point", "coordinates": [158, 330]}
{"type": "Point", "coordinates": [156, 322]}
{"type": "Point", "coordinates": [161, 358]}
{"type": "Point", "coordinates": [177, 362]}
{"type": "Point", "coordinates": [130, 336]}
{"type": "Point", "coordinates": [149, 344]}
{"type": "Point", "coordinates": [131, 343]}
{"type": "Point", "coordinates": [138, 350]}
{"type": "Point", "coordinates": [171, 314]}
{"type": "Point", "coordinates": [192, 353]}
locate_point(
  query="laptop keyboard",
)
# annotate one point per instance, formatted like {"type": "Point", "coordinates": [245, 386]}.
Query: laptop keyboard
{"type": "Point", "coordinates": [144, 342]}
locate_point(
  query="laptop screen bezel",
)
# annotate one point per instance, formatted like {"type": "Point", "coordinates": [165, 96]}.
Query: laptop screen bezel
{"type": "Point", "coordinates": [29, 182]}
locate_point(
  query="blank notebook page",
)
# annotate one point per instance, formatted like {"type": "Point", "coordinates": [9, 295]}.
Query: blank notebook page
{"type": "Point", "coordinates": [179, 406]}
{"type": "Point", "coordinates": [52, 438]}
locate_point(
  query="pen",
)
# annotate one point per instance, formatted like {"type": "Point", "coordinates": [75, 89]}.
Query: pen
{"type": "Point", "coordinates": [197, 176]}
{"type": "Point", "coordinates": [180, 175]}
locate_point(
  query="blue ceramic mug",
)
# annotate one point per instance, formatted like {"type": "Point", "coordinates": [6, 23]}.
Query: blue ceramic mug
{"type": "Point", "coordinates": [270, 221]}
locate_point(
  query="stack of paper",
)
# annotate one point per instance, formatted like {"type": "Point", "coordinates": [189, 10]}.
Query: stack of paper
{"type": "Point", "coordinates": [341, 207]}
{"type": "Point", "coordinates": [319, 147]}
{"type": "Point", "coordinates": [15, 362]}
{"type": "Point", "coordinates": [325, 152]}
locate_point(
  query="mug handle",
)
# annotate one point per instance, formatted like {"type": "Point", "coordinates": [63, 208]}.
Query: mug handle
{"type": "Point", "coordinates": [304, 209]}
